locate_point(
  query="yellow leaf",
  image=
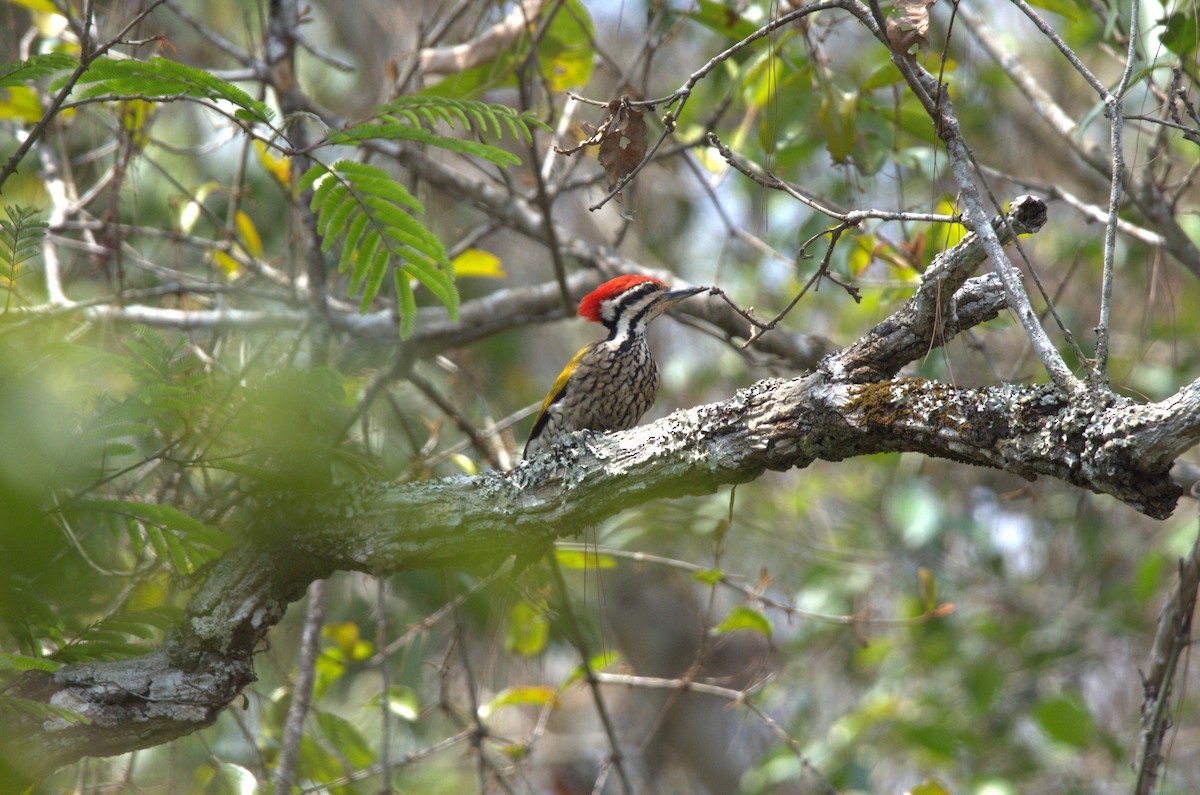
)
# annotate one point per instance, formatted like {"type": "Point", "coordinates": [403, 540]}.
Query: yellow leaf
{"type": "Point", "coordinates": [584, 559]}
{"type": "Point", "coordinates": [248, 234]}
{"type": "Point", "coordinates": [20, 102]}
{"type": "Point", "coordinates": [464, 463]}
{"type": "Point", "coordinates": [135, 118]}
{"type": "Point", "coordinates": [861, 255]}
{"type": "Point", "coordinates": [192, 210]}
{"type": "Point", "coordinates": [226, 264]}
{"type": "Point", "coordinates": [948, 235]}
{"type": "Point", "coordinates": [151, 593]}
{"type": "Point", "coordinates": [528, 629]}
{"type": "Point", "coordinates": [44, 6]}
{"type": "Point", "coordinates": [345, 636]}
{"type": "Point", "coordinates": [278, 167]}
{"type": "Point", "coordinates": [479, 263]}
{"type": "Point", "coordinates": [52, 25]}
{"type": "Point", "coordinates": [530, 695]}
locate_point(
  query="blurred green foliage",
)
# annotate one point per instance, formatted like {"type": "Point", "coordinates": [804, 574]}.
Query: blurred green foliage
{"type": "Point", "coordinates": [932, 628]}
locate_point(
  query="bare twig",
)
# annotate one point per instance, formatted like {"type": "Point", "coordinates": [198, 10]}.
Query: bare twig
{"type": "Point", "coordinates": [1114, 108]}
{"type": "Point", "coordinates": [1171, 641]}
{"type": "Point", "coordinates": [590, 675]}
{"type": "Point", "coordinates": [1142, 192]}
{"type": "Point", "coordinates": [302, 688]}
{"type": "Point", "coordinates": [754, 593]}
{"type": "Point", "coordinates": [679, 97]}
{"type": "Point", "coordinates": [848, 218]}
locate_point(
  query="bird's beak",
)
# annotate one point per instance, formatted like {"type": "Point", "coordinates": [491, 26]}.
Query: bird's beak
{"type": "Point", "coordinates": [674, 296]}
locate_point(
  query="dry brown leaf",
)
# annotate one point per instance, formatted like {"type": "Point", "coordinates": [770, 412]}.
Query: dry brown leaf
{"type": "Point", "coordinates": [909, 25]}
{"type": "Point", "coordinates": [624, 146]}
{"type": "Point", "coordinates": [622, 141]}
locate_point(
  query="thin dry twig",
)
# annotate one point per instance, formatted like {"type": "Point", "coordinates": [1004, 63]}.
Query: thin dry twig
{"type": "Point", "coordinates": [1171, 642]}
{"type": "Point", "coordinates": [591, 676]}
{"type": "Point", "coordinates": [679, 97]}
{"type": "Point", "coordinates": [302, 688]}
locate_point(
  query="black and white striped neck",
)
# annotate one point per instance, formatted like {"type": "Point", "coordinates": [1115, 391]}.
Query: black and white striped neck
{"type": "Point", "coordinates": [626, 315]}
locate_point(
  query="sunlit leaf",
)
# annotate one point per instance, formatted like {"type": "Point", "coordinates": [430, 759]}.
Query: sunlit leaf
{"type": "Point", "coordinates": [248, 234]}
{"type": "Point", "coordinates": [277, 166]}
{"type": "Point", "coordinates": [465, 463]}
{"type": "Point", "coordinates": [226, 264]}
{"type": "Point", "coordinates": [586, 560]}
{"type": "Point", "coordinates": [597, 662]}
{"type": "Point", "coordinates": [930, 786]}
{"type": "Point", "coordinates": [742, 617]}
{"type": "Point", "coordinates": [402, 702]}
{"type": "Point", "coordinates": [532, 695]}
{"type": "Point", "coordinates": [41, 6]}
{"type": "Point", "coordinates": [21, 103]}
{"type": "Point", "coordinates": [135, 120]}
{"type": "Point", "coordinates": [527, 630]}
{"type": "Point", "coordinates": [475, 262]}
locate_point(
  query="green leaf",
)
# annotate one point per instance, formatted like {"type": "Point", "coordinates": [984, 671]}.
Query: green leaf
{"type": "Point", "coordinates": [19, 662]}
{"type": "Point", "coordinates": [1067, 720]}
{"type": "Point", "coordinates": [160, 77]}
{"type": "Point", "coordinates": [722, 19]}
{"type": "Point", "coordinates": [16, 73]}
{"type": "Point", "coordinates": [371, 215]}
{"type": "Point", "coordinates": [122, 634]}
{"type": "Point", "coordinates": [708, 576]}
{"type": "Point", "coordinates": [16, 706]}
{"type": "Point", "coordinates": [838, 114]}
{"type": "Point", "coordinates": [1181, 32]}
{"type": "Point", "coordinates": [191, 532]}
{"type": "Point", "coordinates": [345, 739]}
{"type": "Point", "coordinates": [527, 631]}
{"type": "Point", "coordinates": [1068, 9]}
{"type": "Point", "coordinates": [414, 119]}
{"type": "Point", "coordinates": [914, 510]}
{"type": "Point", "coordinates": [564, 51]}
{"type": "Point", "coordinates": [743, 617]}
{"type": "Point", "coordinates": [597, 662]}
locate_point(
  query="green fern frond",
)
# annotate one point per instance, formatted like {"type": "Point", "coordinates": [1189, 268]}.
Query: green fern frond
{"type": "Point", "coordinates": [19, 662]}
{"type": "Point", "coordinates": [17, 73]}
{"type": "Point", "coordinates": [174, 536]}
{"type": "Point", "coordinates": [14, 707]}
{"type": "Point", "coordinates": [413, 119]}
{"type": "Point", "coordinates": [21, 233]}
{"type": "Point", "coordinates": [372, 216]}
{"type": "Point", "coordinates": [121, 634]}
{"type": "Point", "coordinates": [160, 77]}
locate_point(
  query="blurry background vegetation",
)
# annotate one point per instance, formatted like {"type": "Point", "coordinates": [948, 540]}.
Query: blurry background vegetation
{"type": "Point", "coordinates": [131, 455]}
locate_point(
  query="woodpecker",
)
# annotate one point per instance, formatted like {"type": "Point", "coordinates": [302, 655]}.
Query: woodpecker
{"type": "Point", "coordinates": [611, 383]}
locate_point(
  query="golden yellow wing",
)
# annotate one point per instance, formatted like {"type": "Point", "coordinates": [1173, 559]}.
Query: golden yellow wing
{"type": "Point", "coordinates": [557, 391]}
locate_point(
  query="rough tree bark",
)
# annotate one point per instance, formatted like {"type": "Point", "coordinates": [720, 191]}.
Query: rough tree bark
{"type": "Point", "coordinates": [853, 404]}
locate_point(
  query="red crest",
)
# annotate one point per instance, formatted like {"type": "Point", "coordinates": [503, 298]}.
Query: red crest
{"type": "Point", "coordinates": [589, 307]}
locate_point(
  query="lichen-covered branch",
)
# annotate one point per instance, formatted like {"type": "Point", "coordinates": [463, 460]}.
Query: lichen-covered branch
{"type": "Point", "coordinates": [852, 404]}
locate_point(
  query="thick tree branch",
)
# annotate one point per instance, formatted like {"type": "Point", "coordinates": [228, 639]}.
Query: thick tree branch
{"type": "Point", "coordinates": [852, 405]}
